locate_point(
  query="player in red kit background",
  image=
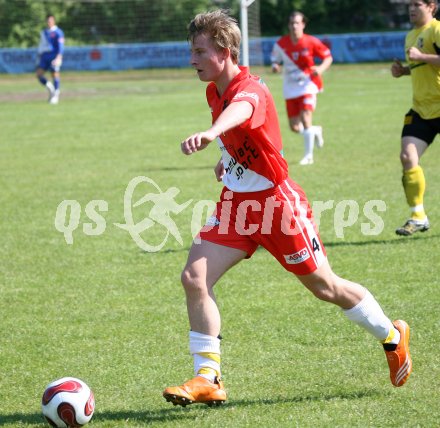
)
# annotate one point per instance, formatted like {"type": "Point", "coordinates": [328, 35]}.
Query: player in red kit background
{"type": "Point", "coordinates": [302, 79]}
{"type": "Point", "coordinates": [259, 205]}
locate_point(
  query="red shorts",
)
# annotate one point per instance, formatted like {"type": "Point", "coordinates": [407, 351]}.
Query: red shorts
{"type": "Point", "coordinates": [294, 106]}
{"type": "Point", "coordinates": [279, 219]}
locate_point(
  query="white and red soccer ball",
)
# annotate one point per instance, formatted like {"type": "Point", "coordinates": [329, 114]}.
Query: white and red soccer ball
{"type": "Point", "coordinates": [68, 403]}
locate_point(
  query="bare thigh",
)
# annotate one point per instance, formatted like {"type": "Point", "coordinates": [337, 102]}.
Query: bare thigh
{"type": "Point", "coordinates": [207, 261]}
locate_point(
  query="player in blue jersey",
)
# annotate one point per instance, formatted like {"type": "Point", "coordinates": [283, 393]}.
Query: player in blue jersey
{"type": "Point", "coordinates": [50, 57]}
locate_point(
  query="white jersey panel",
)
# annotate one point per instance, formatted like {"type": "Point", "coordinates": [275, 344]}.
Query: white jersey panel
{"type": "Point", "coordinates": [44, 45]}
{"type": "Point", "coordinates": [239, 177]}
{"type": "Point", "coordinates": [296, 83]}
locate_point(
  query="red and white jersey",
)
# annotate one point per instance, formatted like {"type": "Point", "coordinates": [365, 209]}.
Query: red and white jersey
{"type": "Point", "coordinates": [251, 152]}
{"type": "Point", "coordinates": [297, 59]}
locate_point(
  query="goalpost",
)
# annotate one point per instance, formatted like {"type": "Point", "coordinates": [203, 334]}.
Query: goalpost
{"type": "Point", "coordinates": [245, 30]}
{"type": "Point", "coordinates": [250, 27]}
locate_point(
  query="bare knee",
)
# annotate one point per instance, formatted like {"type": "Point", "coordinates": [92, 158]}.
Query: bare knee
{"type": "Point", "coordinates": [406, 159]}
{"type": "Point", "coordinates": [322, 283]}
{"type": "Point", "coordinates": [324, 291]}
{"type": "Point", "coordinates": [187, 278]}
{"type": "Point", "coordinates": [411, 151]}
{"type": "Point", "coordinates": [192, 282]}
{"type": "Point", "coordinates": [341, 292]}
{"type": "Point", "coordinates": [296, 127]}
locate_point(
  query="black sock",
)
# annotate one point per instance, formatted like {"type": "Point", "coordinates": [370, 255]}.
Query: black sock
{"type": "Point", "coordinates": [389, 346]}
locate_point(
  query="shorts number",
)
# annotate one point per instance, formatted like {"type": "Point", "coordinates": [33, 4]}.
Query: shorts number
{"type": "Point", "coordinates": [315, 245]}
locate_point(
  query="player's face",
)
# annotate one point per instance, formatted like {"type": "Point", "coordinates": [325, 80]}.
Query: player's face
{"type": "Point", "coordinates": [419, 12]}
{"type": "Point", "coordinates": [50, 22]}
{"type": "Point", "coordinates": [206, 59]}
{"type": "Point", "coordinates": [296, 26]}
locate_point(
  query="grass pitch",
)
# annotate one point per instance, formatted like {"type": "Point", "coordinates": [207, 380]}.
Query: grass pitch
{"type": "Point", "coordinates": [106, 311]}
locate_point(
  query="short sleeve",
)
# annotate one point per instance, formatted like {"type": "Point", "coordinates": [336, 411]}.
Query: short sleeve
{"type": "Point", "coordinates": [257, 98]}
{"type": "Point", "coordinates": [436, 38]}
{"type": "Point", "coordinates": [320, 49]}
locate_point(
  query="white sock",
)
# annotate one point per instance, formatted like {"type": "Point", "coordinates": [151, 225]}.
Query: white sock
{"type": "Point", "coordinates": [205, 350]}
{"type": "Point", "coordinates": [50, 87]}
{"type": "Point", "coordinates": [369, 315]}
{"type": "Point", "coordinates": [419, 208]}
{"type": "Point", "coordinates": [309, 140]}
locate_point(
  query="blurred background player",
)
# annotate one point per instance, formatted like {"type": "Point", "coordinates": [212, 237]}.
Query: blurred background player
{"type": "Point", "coordinates": [422, 122]}
{"type": "Point", "coordinates": [302, 79]}
{"type": "Point", "coordinates": [50, 57]}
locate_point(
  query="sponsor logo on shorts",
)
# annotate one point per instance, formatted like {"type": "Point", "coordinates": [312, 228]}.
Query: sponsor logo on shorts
{"type": "Point", "coordinates": [298, 257]}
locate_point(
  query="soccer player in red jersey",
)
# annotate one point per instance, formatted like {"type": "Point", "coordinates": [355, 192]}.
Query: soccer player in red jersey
{"type": "Point", "coordinates": [302, 79]}
{"type": "Point", "coordinates": [259, 205]}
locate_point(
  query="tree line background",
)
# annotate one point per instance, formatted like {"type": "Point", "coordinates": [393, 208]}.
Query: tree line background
{"type": "Point", "coordinates": [117, 21]}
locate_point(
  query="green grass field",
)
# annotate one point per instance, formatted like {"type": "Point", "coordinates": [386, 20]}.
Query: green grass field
{"type": "Point", "coordinates": [106, 311]}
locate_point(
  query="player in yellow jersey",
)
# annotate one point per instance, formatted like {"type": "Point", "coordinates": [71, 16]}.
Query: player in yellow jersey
{"type": "Point", "coordinates": [422, 122]}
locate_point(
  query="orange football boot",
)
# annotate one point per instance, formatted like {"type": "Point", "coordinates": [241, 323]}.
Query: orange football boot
{"type": "Point", "coordinates": [399, 360]}
{"type": "Point", "coordinates": [197, 390]}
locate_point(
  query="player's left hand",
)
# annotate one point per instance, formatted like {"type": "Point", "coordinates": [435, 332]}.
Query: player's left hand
{"type": "Point", "coordinates": [276, 68]}
{"type": "Point", "coordinates": [315, 70]}
{"type": "Point", "coordinates": [57, 62]}
{"type": "Point", "coordinates": [219, 170]}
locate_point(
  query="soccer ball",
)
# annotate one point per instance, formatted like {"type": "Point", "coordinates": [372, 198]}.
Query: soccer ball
{"type": "Point", "coordinates": [68, 402]}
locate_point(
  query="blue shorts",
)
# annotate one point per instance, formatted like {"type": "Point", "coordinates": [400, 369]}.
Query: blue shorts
{"type": "Point", "coordinates": [45, 62]}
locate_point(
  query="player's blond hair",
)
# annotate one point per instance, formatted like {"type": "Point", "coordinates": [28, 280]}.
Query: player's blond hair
{"type": "Point", "coordinates": [220, 27]}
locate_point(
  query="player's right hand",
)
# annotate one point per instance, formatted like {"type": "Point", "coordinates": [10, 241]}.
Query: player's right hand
{"type": "Point", "coordinates": [196, 142]}
{"type": "Point", "coordinates": [397, 69]}
{"type": "Point", "coordinates": [275, 68]}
